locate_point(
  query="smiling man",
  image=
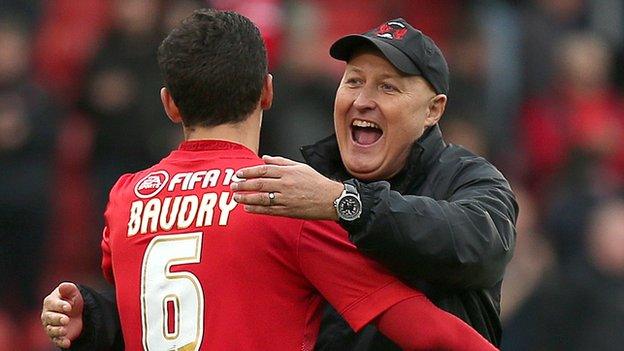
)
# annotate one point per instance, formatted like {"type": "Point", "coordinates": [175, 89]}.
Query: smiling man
{"type": "Point", "coordinates": [440, 217]}
{"type": "Point", "coordinates": [375, 111]}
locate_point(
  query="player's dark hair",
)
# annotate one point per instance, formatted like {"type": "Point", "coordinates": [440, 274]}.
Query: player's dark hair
{"type": "Point", "coordinates": [214, 64]}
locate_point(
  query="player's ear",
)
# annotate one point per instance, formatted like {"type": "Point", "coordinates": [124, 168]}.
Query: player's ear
{"type": "Point", "coordinates": [171, 109]}
{"type": "Point", "coordinates": [266, 97]}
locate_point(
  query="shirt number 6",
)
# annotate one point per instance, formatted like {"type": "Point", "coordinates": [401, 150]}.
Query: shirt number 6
{"type": "Point", "coordinates": [172, 303]}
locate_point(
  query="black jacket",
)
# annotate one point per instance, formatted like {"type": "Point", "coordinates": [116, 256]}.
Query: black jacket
{"type": "Point", "coordinates": [445, 224]}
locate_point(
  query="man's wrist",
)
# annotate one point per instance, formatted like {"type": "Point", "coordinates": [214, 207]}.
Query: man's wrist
{"type": "Point", "coordinates": [348, 205]}
{"type": "Point", "coordinates": [334, 192]}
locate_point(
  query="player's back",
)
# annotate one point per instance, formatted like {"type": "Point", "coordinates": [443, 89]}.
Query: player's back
{"type": "Point", "coordinates": [191, 268]}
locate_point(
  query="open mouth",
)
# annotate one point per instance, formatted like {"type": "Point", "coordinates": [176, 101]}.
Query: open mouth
{"type": "Point", "coordinates": [365, 132]}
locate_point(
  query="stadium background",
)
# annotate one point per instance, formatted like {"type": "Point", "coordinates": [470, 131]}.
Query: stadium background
{"type": "Point", "coordinates": [536, 86]}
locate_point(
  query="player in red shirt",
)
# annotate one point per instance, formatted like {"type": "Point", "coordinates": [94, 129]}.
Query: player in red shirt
{"type": "Point", "coordinates": [193, 271]}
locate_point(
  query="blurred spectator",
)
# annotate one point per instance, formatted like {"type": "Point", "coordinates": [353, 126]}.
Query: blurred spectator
{"type": "Point", "coordinates": [544, 23]}
{"type": "Point", "coordinates": [467, 57]}
{"type": "Point", "coordinates": [601, 289]}
{"type": "Point", "coordinates": [68, 35]}
{"type": "Point", "coordinates": [580, 122]}
{"type": "Point", "coordinates": [464, 121]}
{"type": "Point", "coordinates": [532, 270]}
{"type": "Point", "coordinates": [27, 10]}
{"type": "Point", "coordinates": [462, 132]}
{"type": "Point", "coordinates": [500, 25]}
{"type": "Point", "coordinates": [121, 95]}
{"type": "Point", "coordinates": [583, 310]}
{"type": "Point", "coordinates": [174, 12]}
{"type": "Point", "coordinates": [27, 134]}
{"type": "Point", "coordinates": [574, 142]}
{"type": "Point", "coordinates": [268, 15]}
{"type": "Point", "coordinates": [533, 261]}
{"type": "Point", "coordinates": [567, 210]}
{"type": "Point", "coordinates": [606, 19]}
{"type": "Point", "coordinates": [302, 111]}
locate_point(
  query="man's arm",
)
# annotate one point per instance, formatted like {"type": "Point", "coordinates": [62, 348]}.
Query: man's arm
{"type": "Point", "coordinates": [79, 318]}
{"type": "Point", "coordinates": [434, 329]}
{"type": "Point", "coordinates": [463, 242]}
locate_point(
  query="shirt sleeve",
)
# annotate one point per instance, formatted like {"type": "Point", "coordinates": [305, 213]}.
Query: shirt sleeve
{"type": "Point", "coordinates": [113, 202]}
{"type": "Point", "coordinates": [463, 241]}
{"type": "Point", "coordinates": [358, 288]}
{"type": "Point", "coordinates": [107, 264]}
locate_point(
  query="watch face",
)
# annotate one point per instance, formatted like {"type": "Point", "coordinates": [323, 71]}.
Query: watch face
{"type": "Point", "coordinates": [349, 207]}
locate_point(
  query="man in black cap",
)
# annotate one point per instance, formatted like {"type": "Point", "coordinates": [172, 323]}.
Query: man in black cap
{"type": "Point", "coordinates": [436, 215]}
{"type": "Point", "coordinates": [439, 217]}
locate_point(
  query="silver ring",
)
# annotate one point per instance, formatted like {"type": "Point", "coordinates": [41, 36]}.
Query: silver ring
{"type": "Point", "coordinates": [271, 198]}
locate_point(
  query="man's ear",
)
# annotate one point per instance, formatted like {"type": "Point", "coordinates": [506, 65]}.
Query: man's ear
{"type": "Point", "coordinates": [266, 97]}
{"type": "Point", "coordinates": [437, 105]}
{"type": "Point", "coordinates": [171, 109]}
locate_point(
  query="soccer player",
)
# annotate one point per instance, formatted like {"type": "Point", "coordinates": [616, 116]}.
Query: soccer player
{"type": "Point", "coordinates": [193, 271]}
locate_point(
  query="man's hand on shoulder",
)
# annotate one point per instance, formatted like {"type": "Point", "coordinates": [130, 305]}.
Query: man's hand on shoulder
{"type": "Point", "coordinates": [62, 314]}
{"type": "Point", "coordinates": [287, 188]}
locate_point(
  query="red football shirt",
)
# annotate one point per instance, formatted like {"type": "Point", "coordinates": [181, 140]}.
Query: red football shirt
{"type": "Point", "coordinates": [192, 270]}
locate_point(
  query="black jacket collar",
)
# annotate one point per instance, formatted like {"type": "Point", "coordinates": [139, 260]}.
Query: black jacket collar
{"type": "Point", "coordinates": [324, 156]}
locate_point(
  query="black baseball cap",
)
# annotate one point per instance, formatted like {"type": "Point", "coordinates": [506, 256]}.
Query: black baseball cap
{"type": "Point", "coordinates": [407, 48]}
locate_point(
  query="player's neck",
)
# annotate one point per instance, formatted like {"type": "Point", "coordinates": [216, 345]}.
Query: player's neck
{"type": "Point", "coordinates": [246, 133]}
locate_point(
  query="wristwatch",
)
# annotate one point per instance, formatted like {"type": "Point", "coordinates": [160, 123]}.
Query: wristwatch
{"type": "Point", "coordinates": [348, 204]}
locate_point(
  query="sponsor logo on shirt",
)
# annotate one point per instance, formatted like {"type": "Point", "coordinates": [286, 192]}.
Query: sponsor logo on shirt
{"type": "Point", "coordinates": [185, 199]}
{"type": "Point", "coordinates": [151, 184]}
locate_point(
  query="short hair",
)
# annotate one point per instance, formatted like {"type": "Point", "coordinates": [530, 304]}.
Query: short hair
{"type": "Point", "coordinates": [214, 64]}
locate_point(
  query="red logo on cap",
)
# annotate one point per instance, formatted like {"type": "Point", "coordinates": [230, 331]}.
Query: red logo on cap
{"type": "Point", "coordinates": [392, 30]}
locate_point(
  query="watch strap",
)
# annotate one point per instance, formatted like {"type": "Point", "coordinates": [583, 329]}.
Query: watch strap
{"type": "Point", "coordinates": [351, 189]}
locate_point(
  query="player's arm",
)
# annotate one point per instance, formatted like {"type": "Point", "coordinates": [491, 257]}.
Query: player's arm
{"type": "Point", "coordinates": [417, 324]}
{"type": "Point", "coordinates": [363, 291]}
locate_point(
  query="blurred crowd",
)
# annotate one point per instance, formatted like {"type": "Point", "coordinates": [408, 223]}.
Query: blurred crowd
{"type": "Point", "coordinates": [536, 87]}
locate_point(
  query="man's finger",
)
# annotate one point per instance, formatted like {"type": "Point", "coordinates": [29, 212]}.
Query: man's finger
{"type": "Point", "coordinates": [54, 319]}
{"type": "Point", "coordinates": [68, 291]}
{"type": "Point", "coordinates": [55, 304]}
{"type": "Point", "coordinates": [62, 342]}
{"type": "Point", "coordinates": [280, 161]}
{"type": "Point", "coordinates": [261, 171]}
{"type": "Point", "coordinates": [264, 185]}
{"type": "Point", "coordinates": [55, 332]}
{"type": "Point", "coordinates": [258, 199]}
{"type": "Point", "coordinates": [270, 210]}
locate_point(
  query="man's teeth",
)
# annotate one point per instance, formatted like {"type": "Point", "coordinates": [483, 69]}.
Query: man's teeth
{"type": "Point", "coordinates": [365, 124]}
